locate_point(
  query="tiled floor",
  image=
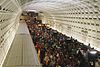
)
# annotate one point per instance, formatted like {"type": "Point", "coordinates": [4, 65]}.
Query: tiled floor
{"type": "Point", "coordinates": [22, 52]}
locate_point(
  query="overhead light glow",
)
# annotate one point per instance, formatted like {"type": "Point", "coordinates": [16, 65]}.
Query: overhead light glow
{"type": "Point", "coordinates": [31, 10]}
{"type": "Point", "coordinates": [93, 52]}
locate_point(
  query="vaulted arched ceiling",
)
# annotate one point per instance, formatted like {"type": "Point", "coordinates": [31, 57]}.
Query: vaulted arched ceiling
{"type": "Point", "coordinates": [77, 18]}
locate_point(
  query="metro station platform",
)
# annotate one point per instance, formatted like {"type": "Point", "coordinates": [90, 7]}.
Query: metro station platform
{"type": "Point", "coordinates": [22, 52]}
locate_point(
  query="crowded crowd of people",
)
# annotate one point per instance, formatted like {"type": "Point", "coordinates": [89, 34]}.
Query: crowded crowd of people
{"type": "Point", "coordinates": [58, 50]}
